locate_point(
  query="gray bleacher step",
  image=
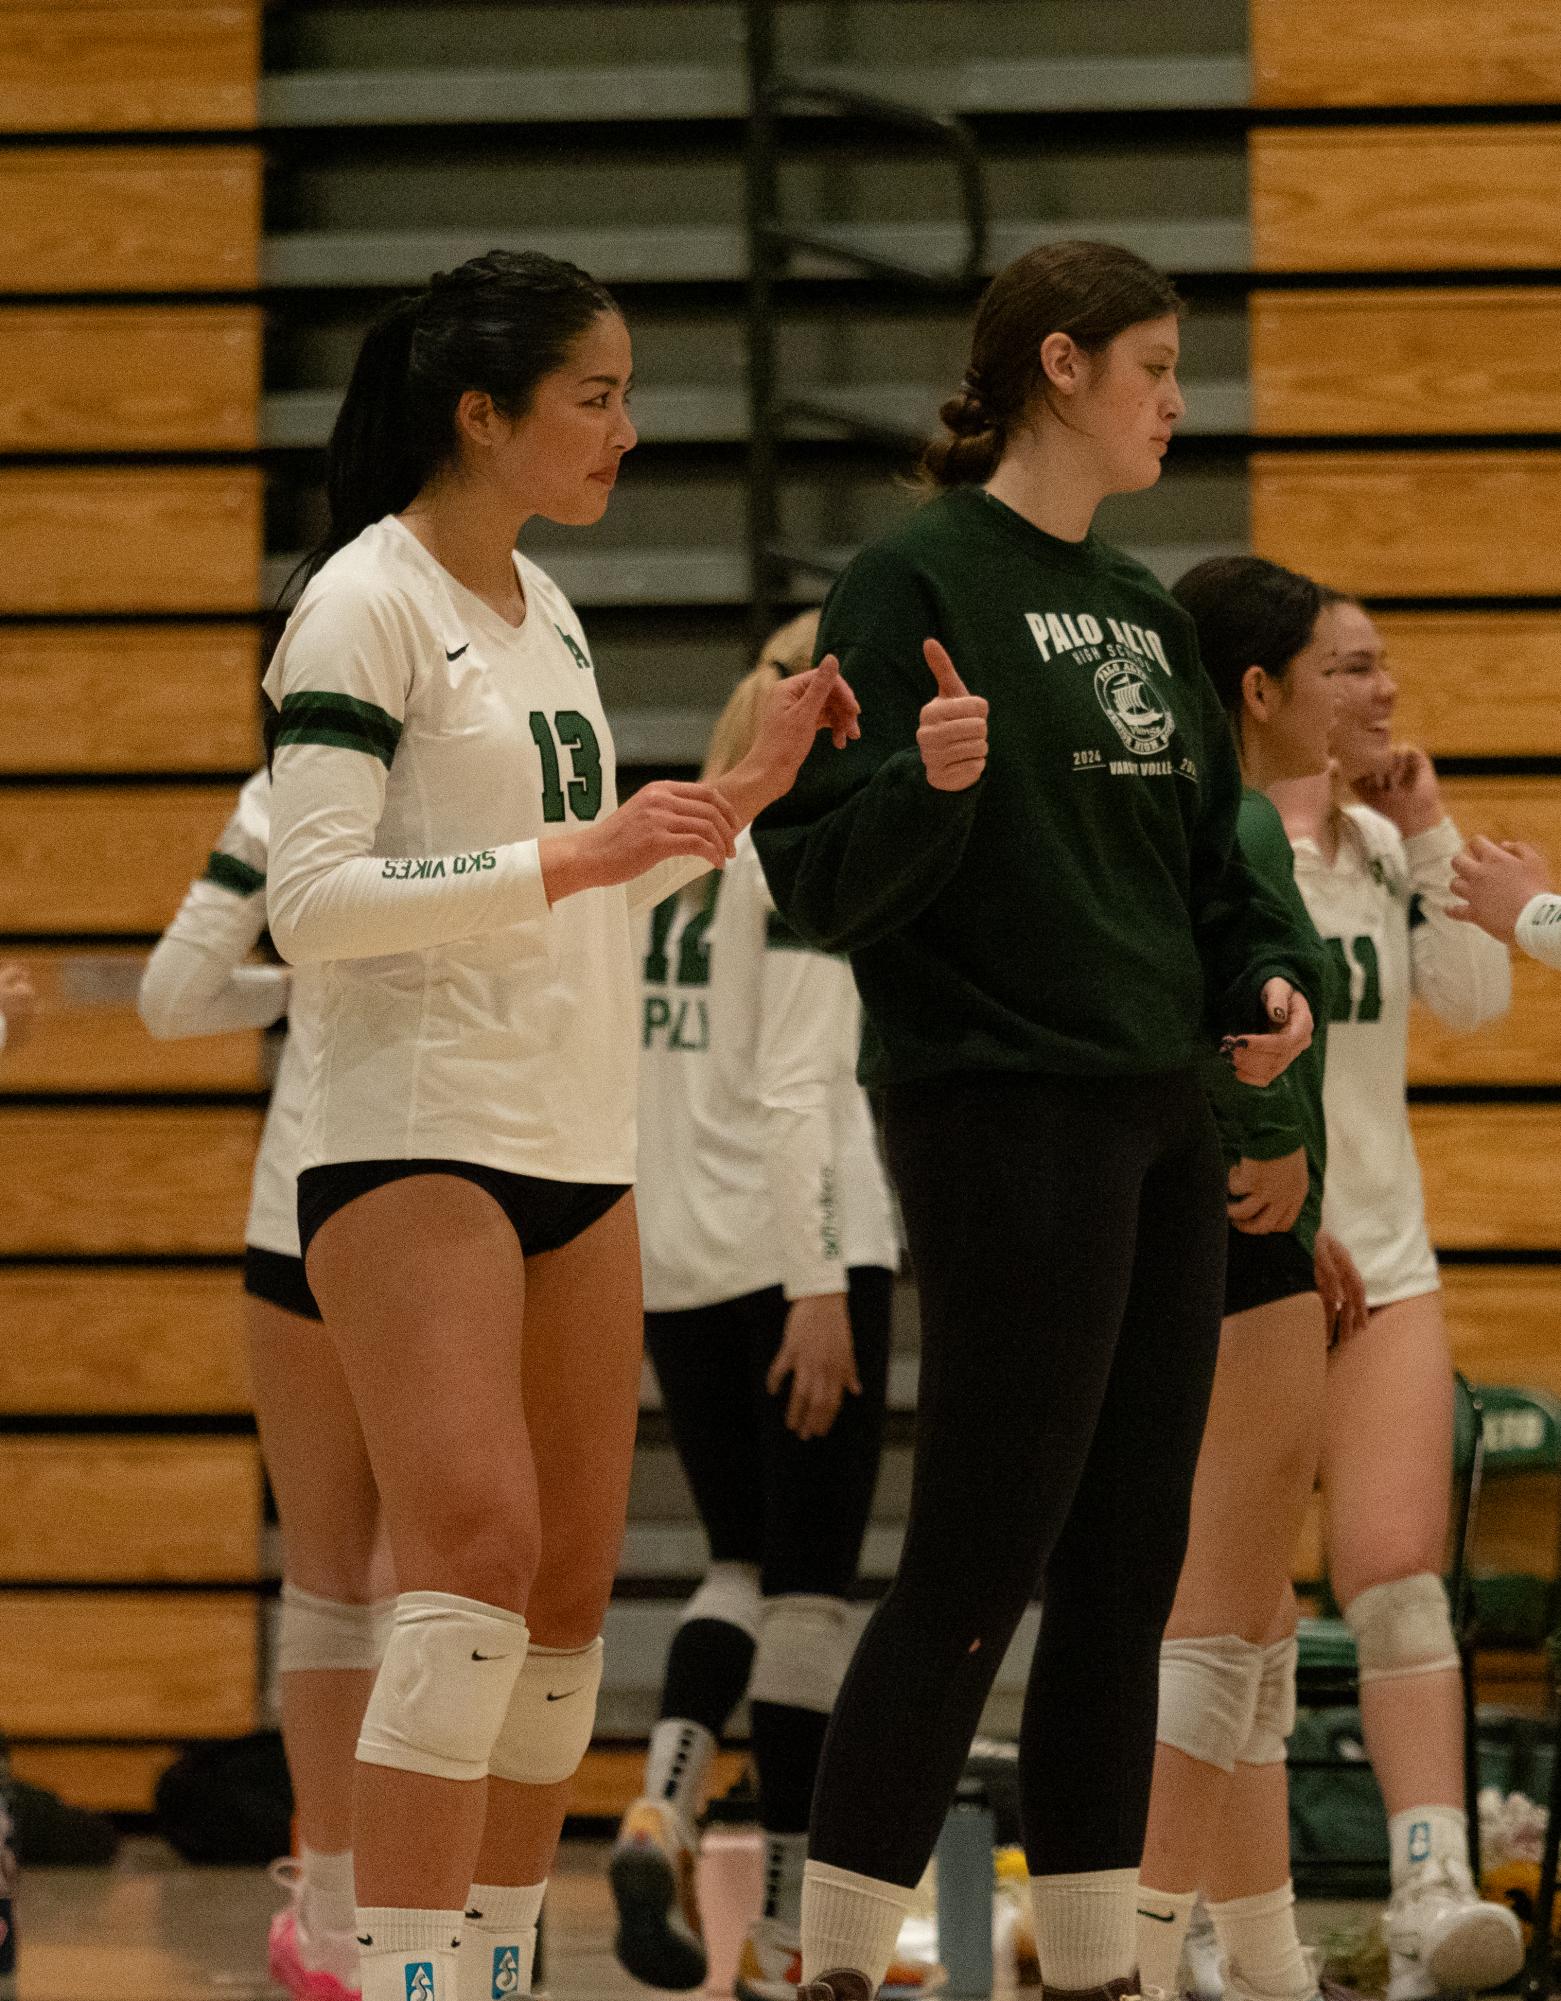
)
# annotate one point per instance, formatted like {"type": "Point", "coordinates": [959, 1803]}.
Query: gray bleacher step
{"type": "Point", "coordinates": [638, 1633]}
{"type": "Point", "coordinates": [673, 1552]}
{"type": "Point", "coordinates": [715, 253]}
{"type": "Point", "coordinates": [646, 91]}
{"type": "Point", "coordinates": [720, 576]}
{"type": "Point", "coordinates": [698, 414]}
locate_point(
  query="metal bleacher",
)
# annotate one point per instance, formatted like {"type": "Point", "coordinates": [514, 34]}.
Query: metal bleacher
{"type": "Point", "coordinates": [403, 138]}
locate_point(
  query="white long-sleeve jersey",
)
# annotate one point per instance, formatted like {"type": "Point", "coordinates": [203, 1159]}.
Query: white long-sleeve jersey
{"type": "Point", "coordinates": [425, 749]}
{"type": "Point", "coordinates": [1539, 929]}
{"type": "Point", "coordinates": [1381, 908]}
{"type": "Point", "coordinates": [197, 983]}
{"type": "Point", "coordinates": [758, 1163]}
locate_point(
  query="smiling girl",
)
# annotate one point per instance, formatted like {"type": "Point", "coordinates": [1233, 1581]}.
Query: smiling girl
{"type": "Point", "coordinates": [447, 847]}
{"type": "Point", "coordinates": [1032, 869]}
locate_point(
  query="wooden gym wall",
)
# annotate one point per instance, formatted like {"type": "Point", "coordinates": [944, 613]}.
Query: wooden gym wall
{"type": "Point", "coordinates": [1406, 332]}
{"type": "Point", "coordinates": [130, 543]}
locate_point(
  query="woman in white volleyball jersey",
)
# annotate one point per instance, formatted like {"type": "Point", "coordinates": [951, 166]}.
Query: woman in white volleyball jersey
{"type": "Point", "coordinates": [448, 849]}
{"type": "Point", "coordinates": [336, 1579]}
{"type": "Point", "coordinates": [1374, 864]}
{"type": "Point", "coordinates": [769, 1247]}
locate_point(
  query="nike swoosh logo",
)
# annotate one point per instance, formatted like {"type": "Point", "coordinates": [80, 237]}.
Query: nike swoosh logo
{"type": "Point", "coordinates": [566, 1694]}
{"type": "Point", "coordinates": [365, 1938]}
{"type": "Point", "coordinates": [488, 1657]}
{"type": "Point", "coordinates": [1160, 1917]}
{"type": "Point", "coordinates": [457, 653]}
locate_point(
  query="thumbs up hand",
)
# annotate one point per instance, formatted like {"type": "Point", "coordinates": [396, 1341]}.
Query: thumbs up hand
{"type": "Point", "coordinates": [952, 733]}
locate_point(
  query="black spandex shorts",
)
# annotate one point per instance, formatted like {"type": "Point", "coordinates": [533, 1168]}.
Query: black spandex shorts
{"type": "Point", "coordinates": [1259, 1270]}
{"type": "Point", "coordinates": [545, 1215]}
{"type": "Point", "coordinates": [280, 1280]}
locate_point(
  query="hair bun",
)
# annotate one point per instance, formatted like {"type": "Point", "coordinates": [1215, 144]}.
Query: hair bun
{"type": "Point", "coordinates": [966, 413]}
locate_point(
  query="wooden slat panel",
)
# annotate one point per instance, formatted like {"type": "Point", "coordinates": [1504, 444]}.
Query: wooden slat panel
{"type": "Point", "coordinates": [1505, 1323]}
{"type": "Point", "coordinates": [116, 1182]}
{"type": "Point", "coordinates": [127, 1664]}
{"type": "Point", "coordinates": [1353, 363]}
{"type": "Point", "coordinates": [1413, 524]}
{"type": "Point", "coordinates": [108, 1778]}
{"type": "Point", "coordinates": [103, 858]}
{"type": "Point", "coordinates": [129, 69]}
{"type": "Point", "coordinates": [149, 539]}
{"type": "Point", "coordinates": [101, 698]}
{"type": "Point", "coordinates": [129, 1510]}
{"type": "Point", "coordinates": [1405, 197]}
{"type": "Point", "coordinates": [87, 1036]}
{"type": "Point", "coordinates": [135, 379]}
{"type": "Point", "coordinates": [130, 219]}
{"type": "Point", "coordinates": [1490, 1175]}
{"type": "Point", "coordinates": [1476, 684]}
{"type": "Point", "coordinates": [1408, 52]}
{"type": "Point", "coordinates": [106, 1340]}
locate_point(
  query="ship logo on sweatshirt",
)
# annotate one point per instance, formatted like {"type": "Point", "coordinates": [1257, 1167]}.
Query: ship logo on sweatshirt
{"type": "Point", "coordinates": [1142, 722]}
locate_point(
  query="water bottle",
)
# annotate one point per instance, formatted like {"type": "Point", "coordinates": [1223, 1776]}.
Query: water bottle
{"type": "Point", "coordinates": [7, 1882]}
{"type": "Point", "coordinates": [965, 1890]}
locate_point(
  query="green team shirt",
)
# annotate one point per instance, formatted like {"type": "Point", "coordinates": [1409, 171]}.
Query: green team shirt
{"type": "Point", "coordinates": [1080, 909]}
{"type": "Point", "coordinates": [1268, 1123]}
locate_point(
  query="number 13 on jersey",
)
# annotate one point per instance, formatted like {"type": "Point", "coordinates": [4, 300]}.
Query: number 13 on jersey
{"type": "Point", "coordinates": [582, 798]}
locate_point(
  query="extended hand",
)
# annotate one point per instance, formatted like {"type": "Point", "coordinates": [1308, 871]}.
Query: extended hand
{"type": "Point", "coordinates": [952, 732]}
{"type": "Point", "coordinates": [817, 1353]}
{"type": "Point", "coordinates": [1495, 882]}
{"type": "Point", "coordinates": [1342, 1287]}
{"type": "Point", "coordinates": [1259, 1059]}
{"type": "Point", "coordinates": [1267, 1195]}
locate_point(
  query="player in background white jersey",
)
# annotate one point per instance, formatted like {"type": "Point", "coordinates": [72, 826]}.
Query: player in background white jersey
{"type": "Point", "coordinates": [1505, 887]}
{"type": "Point", "coordinates": [1373, 861]}
{"type": "Point", "coordinates": [448, 851]}
{"type": "Point", "coordinates": [336, 1579]}
{"type": "Point", "coordinates": [769, 1247]}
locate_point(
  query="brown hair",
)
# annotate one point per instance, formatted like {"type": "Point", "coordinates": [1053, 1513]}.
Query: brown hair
{"type": "Point", "coordinates": [788, 650]}
{"type": "Point", "coordinates": [1089, 291]}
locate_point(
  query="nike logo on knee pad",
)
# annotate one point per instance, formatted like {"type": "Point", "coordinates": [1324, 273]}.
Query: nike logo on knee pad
{"type": "Point", "coordinates": [488, 1657]}
{"type": "Point", "coordinates": [566, 1694]}
{"type": "Point", "coordinates": [1160, 1917]}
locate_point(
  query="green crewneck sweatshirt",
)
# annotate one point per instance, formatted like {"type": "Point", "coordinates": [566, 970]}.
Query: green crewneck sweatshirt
{"type": "Point", "coordinates": [1080, 909]}
{"type": "Point", "coordinates": [1267, 1124]}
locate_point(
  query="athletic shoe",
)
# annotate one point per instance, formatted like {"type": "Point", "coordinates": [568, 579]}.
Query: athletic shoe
{"type": "Point", "coordinates": [1237, 1989]}
{"type": "Point", "coordinates": [659, 1939]}
{"type": "Point", "coordinates": [1203, 1964]}
{"type": "Point", "coordinates": [1443, 1938]}
{"type": "Point", "coordinates": [312, 1966]}
{"type": "Point", "coordinates": [770, 1968]}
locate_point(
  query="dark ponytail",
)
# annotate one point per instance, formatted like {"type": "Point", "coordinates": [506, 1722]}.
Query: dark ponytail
{"type": "Point", "coordinates": [1248, 613]}
{"type": "Point", "coordinates": [498, 323]}
{"type": "Point", "coordinates": [1089, 291]}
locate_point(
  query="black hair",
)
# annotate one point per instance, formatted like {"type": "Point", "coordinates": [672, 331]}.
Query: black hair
{"type": "Point", "coordinates": [1248, 613]}
{"type": "Point", "coordinates": [1089, 291]}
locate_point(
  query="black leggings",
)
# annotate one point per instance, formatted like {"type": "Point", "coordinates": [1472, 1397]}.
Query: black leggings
{"type": "Point", "coordinates": [796, 1508]}
{"type": "Point", "coordinates": [1068, 1238]}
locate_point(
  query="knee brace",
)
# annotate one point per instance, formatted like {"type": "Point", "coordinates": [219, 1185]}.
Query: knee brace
{"type": "Point", "coordinates": [802, 1653]}
{"type": "Point", "coordinates": [730, 1594]}
{"type": "Point", "coordinates": [547, 1728]}
{"type": "Point", "coordinates": [1209, 1697]}
{"type": "Point", "coordinates": [318, 1632]}
{"type": "Point", "coordinates": [1402, 1628]}
{"type": "Point", "coordinates": [444, 1684]}
{"type": "Point", "coordinates": [1274, 1718]}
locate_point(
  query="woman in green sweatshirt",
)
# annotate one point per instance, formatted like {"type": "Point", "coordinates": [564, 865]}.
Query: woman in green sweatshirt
{"type": "Point", "coordinates": [1029, 857]}
{"type": "Point", "coordinates": [1227, 1664]}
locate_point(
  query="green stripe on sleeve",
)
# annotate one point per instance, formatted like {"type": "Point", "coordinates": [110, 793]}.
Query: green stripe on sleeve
{"type": "Point", "coordinates": [314, 715]}
{"type": "Point", "coordinates": [228, 872]}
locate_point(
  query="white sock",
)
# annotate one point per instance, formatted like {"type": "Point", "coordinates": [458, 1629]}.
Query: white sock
{"type": "Point", "coordinates": [849, 1920]}
{"type": "Point", "coordinates": [784, 1855]}
{"type": "Point", "coordinates": [677, 1766]}
{"type": "Point", "coordinates": [328, 1902]}
{"type": "Point", "coordinates": [1428, 1834]}
{"type": "Point", "coordinates": [409, 1955]}
{"type": "Point", "coordinates": [1261, 1945]}
{"type": "Point", "coordinates": [1086, 1926]}
{"type": "Point", "coordinates": [1164, 1919]}
{"type": "Point", "coordinates": [499, 1941]}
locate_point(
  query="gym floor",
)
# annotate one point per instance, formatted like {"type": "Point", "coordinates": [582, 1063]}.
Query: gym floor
{"type": "Point", "coordinates": [153, 1929]}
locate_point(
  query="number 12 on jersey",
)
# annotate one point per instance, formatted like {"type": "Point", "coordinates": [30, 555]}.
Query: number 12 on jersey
{"type": "Point", "coordinates": [583, 796]}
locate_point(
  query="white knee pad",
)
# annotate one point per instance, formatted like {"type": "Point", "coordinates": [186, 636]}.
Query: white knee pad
{"type": "Point", "coordinates": [444, 1684]}
{"type": "Point", "coordinates": [316, 1632]}
{"type": "Point", "coordinates": [729, 1593]}
{"type": "Point", "coordinates": [1209, 1697]}
{"type": "Point", "coordinates": [547, 1728]}
{"type": "Point", "coordinates": [802, 1654]}
{"type": "Point", "coordinates": [1274, 1718]}
{"type": "Point", "coordinates": [1402, 1628]}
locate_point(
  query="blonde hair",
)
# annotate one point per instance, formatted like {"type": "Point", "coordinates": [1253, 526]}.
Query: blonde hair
{"type": "Point", "coordinates": [788, 650]}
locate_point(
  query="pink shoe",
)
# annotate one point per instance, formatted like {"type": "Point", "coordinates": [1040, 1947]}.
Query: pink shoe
{"type": "Point", "coordinates": [312, 1966]}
